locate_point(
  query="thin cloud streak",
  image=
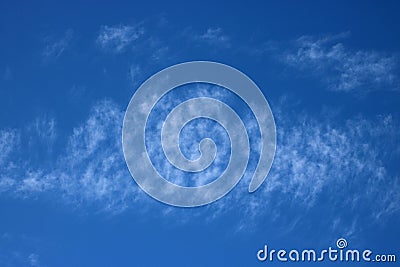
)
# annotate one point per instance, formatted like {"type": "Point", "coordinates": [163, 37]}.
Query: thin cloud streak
{"type": "Point", "coordinates": [118, 38]}
{"type": "Point", "coordinates": [9, 140]}
{"type": "Point", "coordinates": [55, 48]}
{"type": "Point", "coordinates": [343, 68]}
{"type": "Point", "coordinates": [319, 162]}
{"type": "Point", "coordinates": [214, 36]}
{"type": "Point", "coordinates": [314, 157]}
{"type": "Point", "coordinates": [91, 171]}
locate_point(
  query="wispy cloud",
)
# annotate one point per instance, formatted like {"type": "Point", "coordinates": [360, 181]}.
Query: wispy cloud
{"type": "Point", "coordinates": [45, 128]}
{"type": "Point", "coordinates": [214, 36]}
{"type": "Point", "coordinates": [313, 154]}
{"type": "Point", "coordinates": [343, 69]}
{"type": "Point", "coordinates": [317, 160]}
{"type": "Point", "coordinates": [55, 47]}
{"type": "Point", "coordinates": [34, 260]}
{"type": "Point", "coordinates": [118, 38]}
{"type": "Point", "coordinates": [9, 139]}
{"type": "Point", "coordinates": [19, 250]}
{"type": "Point", "coordinates": [133, 74]}
{"type": "Point", "coordinates": [91, 170]}
{"type": "Point", "coordinates": [319, 163]}
{"type": "Point", "coordinates": [189, 138]}
{"type": "Point", "coordinates": [144, 40]}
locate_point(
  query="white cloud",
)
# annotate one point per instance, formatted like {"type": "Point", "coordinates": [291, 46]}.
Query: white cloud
{"type": "Point", "coordinates": [189, 139]}
{"type": "Point", "coordinates": [34, 260]}
{"type": "Point", "coordinates": [36, 182]}
{"type": "Point", "coordinates": [118, 38]}
{"type": "Point", "coordinates": [92, 170]}
{"type": "Point", "coordinates": [9, 140]}
{"type": "Point", "coordinates": [6, 183]}
{"type": "Point", "coordinates": [56, 47]}
{"type": "Point", "coordinates": [214, 36]}
{"type": "Point", "coordinates": [342, 68]}
{"type": "Point", "coordinates": [19, 250]}
{"type": "Point", "coordinates": [318, 164]}
{"type": "Point", "coordinates": [316, 159]}
{"type": "Point", "coordinates": [133, 74]}
{"type": "Point", "coordinates": [44, 128]}
{"type": "Point", "coordinates": [160, 53]}
{"type": "Point", "coordinates": [345, 164]}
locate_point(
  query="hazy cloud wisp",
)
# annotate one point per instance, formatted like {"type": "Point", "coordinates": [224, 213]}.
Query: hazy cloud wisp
{"type": "Point", "coordinates": [345, 69]}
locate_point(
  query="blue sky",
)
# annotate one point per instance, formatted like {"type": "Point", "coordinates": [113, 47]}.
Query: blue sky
{"type": "Point", "coordinates": [330, 72]}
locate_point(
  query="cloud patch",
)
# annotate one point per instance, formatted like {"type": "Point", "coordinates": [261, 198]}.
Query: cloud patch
{"type": "Point", "coordinates": [317, 161]}
{"type": "Point", "coordinates": [343, 69]}
{"type": "Point", "coordinates": [118, 38]}
{"type": "Point", "coordinates": [9, 140]}
{"type": "Point", "coordinates": [344, 170]}
{"type": "Point", "coordinates": [56, 47]}
{"type": "Point", "coordinates": [91, 169]}
{"type": "Point", "coordinates": [214, 35]}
